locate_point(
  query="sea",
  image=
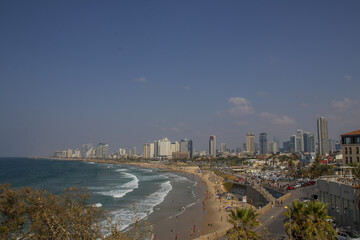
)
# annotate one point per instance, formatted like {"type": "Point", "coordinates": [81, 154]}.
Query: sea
{"type": "Point", "coordinates": [123, 191]}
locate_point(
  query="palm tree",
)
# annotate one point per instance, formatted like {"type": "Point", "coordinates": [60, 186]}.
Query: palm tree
{"type": "Point", "coordinates": [243, 221]}
{"type": "Point", "coordinates": [309, 221]}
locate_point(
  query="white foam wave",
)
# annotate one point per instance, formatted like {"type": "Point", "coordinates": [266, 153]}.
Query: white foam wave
{"type": "Point", "coordinates": [154, 177]}
{"type": "Point", "coordinates": [143, 208]}
{"type": "Point", "coordinates": [97, 205]}
{"type": "Point", "coordinates": [146, 170]}
{"type": "Point", "coordinates": [121, 170]}
{"type": "Point", "coordinates": [123, 189]}
{"type": "Point", "coordinates": [178, 178]}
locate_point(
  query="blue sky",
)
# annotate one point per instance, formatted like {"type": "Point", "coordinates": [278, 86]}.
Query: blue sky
{"type": "Point", "coordinates": [131, 72]}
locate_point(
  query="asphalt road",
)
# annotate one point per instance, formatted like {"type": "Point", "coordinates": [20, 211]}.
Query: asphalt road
{"type": "Point", "coordinates": [273, 219]}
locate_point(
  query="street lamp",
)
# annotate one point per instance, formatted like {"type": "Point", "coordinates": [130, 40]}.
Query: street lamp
{"type": "Point", "coordinates": [288, 208]}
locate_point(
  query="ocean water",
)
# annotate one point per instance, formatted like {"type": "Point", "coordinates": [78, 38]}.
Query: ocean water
{"type": "Point", "coordinates": [116, 188]}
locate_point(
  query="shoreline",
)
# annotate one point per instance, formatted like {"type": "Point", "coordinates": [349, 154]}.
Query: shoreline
{"type": "Point", "coordinates": [205, 219]}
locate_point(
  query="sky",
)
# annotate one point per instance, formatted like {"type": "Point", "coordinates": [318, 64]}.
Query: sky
{"type": "Point", "coordinates": [132, 72]}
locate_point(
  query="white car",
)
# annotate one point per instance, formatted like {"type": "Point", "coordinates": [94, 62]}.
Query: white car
{"type": "Point", "coordinates": [347, 236]}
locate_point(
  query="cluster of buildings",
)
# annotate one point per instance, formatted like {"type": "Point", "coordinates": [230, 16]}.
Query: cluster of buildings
{"type": "Point", "coordinates": [101, 151]}
{"type": "Point", "coordinates": [303, 143]}
{"type": "Point", "coordinates": [342, 192]}
{"type": "Point", "coordinates": [165, 149]}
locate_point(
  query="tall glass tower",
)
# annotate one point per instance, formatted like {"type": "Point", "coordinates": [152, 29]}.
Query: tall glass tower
{"type": "Point", "coordinates": [263, 143]}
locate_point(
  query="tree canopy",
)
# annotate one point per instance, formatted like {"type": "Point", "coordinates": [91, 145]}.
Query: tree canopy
{"type": "Point", "coordinates": [28, 213]}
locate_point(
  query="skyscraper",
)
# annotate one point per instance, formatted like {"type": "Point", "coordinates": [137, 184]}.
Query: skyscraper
{"type": "Point", "coordinates": [102, 151]}
{"type": "Point", "coordinates": [250, 143]}
{"type": "Point", "coordinates": [85, 150]}
{"type": "Point", "coordinates": [146, 151]}
{"type": "Point", "coordinates": [322, 131]}
{"type": "Point", "coordinates": [293, 145]}
{"type": "Point", "coordinates": [263, 143]}
{"type": "Point", "coordinates": [222, 147]}
{"type": "Point", "coordinates": [212, 146]}
{"type": "Point", "coordinates": [186, 146]}
{"type": "Point", "coordinates": [309, 142]}
{"type": "Point", "coordinates": [300, 140]}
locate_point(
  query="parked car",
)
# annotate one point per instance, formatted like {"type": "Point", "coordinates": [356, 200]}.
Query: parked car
{"type": "Point", "coordinates": [312, 182]}
{"type": "Point", "coordinates": [290, 187]}
{"type": "Point", "coordinates": [347, 236]}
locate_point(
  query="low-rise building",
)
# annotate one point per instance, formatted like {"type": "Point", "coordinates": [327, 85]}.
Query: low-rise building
{"type": "Point", "coordinates": [351, 147]}
{"type": "Point", "coordinates": [343, 199]}
{"type": "Point", "coordinates": [181, 155]}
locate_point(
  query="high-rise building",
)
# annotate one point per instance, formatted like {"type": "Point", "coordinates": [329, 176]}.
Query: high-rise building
{"type": "Point", "coordinates": [146, 152]}
{"type": "Point", "coordinates": [263, 143]}
{"type": "Point", "coordinates": [102, 151]}
{"type": "Point", "coordinates": [309, 142]}
{"type": "Point", "coordinates": [323, 139]}
{"type": "Point", "coordinates": [222, 147]}
{"type": "Point", "coordinates": [186, 146]}
{"type": "Point", "coordinates": [134, 151]}
{"type": "Point", "coordinates": [212, 146]}
{"type": "Point", "coordinates": [69, 153]}
{"type": "Point", "coordinates": [300, 140]}
{"type": "Point", "coordinates": [85, 150]}
{"type": "Point", "coordinates": [122, 151]}
{"type": "Point", "coordinates": [77, 153]}
{"type": "Point", "coordinates": [273, 147]}
{"type": "Point", "coordinates": [293, 145]}
{"type": "Point", "coordinates": [250, 143]}
{"type": "Point", "coordinates": [164, 149]}
{"type": "Point", "coordinates": [286, 146]}
{"type": "Point", "coordinates": [152, 150]}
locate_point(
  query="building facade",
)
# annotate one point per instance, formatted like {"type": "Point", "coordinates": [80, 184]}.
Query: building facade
{"type": "Point", "coordinates": [146, 151]}
{"type": "Point", "coordinates": [102, 151]}
{"type": "Point", "coordinates": [323, 139]}
{"type": "Point", "coordinates": [263, 143]}
{"type": "Point", "coordinates": [300, 141]}
{"type": "Point", "coordinates": [343, 201]}
{"type": "Point", "coordinates": [309, 142]}
{"type": "Point", "coordinates": [351, 147]}
{"type": "Point", "coordinates": [250, 143]}
{"type": "Point", "coordinates": [212, 146]}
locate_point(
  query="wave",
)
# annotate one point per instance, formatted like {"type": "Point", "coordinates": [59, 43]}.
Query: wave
{"type": "Point", "coordinates": [177, 178]}
{"type": "Point", "coordinates": [121, 170]}
{"type": "Point", "coordinates": [97, 205]}
{"type": "Point", "coordinates": [145, 170]}
{"type": "Point", "coordinates": [140, 210]}
{"type": "Point", "coordinates": [154, 177]}
{"type": "Point", "coordinates": [123, 189]}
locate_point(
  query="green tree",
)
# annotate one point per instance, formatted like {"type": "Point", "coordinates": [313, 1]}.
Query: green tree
{"type": "Point", "coordinates": [356, 172]}
{"type": "Point", "coordinates": [243, 221]}
{"type": "Point", "coordinates": [28, 213]}
{"type": "Point", "coordinates": [309, 221]}
{"type": "Point", "coordinates": [318, 169]}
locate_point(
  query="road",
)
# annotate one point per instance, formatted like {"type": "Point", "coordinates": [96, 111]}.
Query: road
{"type": "Point", "coordinates": [273, 219]}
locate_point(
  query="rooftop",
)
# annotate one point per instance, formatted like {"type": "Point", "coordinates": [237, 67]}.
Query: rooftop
{"type": "Point", "coordinates": [357, 132]}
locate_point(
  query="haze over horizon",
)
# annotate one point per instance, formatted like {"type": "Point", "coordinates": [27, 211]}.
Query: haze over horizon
{"type": "Point", "coordinates": [131, 72]}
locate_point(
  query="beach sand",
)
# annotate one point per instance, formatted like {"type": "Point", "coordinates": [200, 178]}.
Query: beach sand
{"type": "Point", "coordinates": [208, 214]}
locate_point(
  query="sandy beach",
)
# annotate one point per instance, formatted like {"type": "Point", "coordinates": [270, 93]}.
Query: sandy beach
{"type": "Point", "coordinates": [206, 218]}
{"type": "Point", "coordinates": [208, 214]}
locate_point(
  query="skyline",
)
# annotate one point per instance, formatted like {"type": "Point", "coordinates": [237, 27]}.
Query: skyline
{"type": "Point", "coordinates": [127, 73]}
